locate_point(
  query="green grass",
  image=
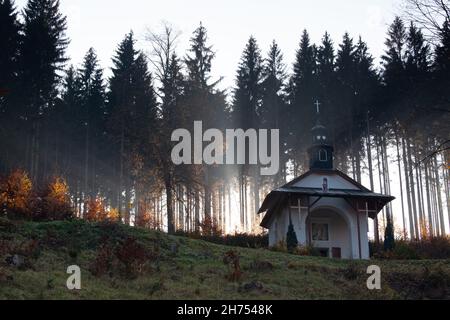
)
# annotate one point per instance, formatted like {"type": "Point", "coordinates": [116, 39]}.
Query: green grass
{"type": "Point", "coordinates": [196, 270]}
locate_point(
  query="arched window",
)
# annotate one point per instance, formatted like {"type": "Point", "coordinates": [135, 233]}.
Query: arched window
{"type": "Point", "coordinates": [323, 155]}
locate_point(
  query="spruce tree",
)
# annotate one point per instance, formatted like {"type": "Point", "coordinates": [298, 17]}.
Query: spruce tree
{"type": "Point", "coordinates": [291, 238]}
{"type": "Point", "coordinates": [303, 90]}
{"type": "Point", "coordinates": [442, 53]}
{"type": "Point", "coordinates": [9, 42]}
{"type": "Point", "coordinates": [273, 112]}
{"type": "Point", "coordinates": [42, 55]}
{"type": "Point", "coordinates": [246, 114]}
{"type": "Point", "coordinates": [92, 94]}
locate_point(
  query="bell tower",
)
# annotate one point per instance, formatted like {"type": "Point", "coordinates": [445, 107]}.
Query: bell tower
{"type": "Point", "coordinates": [321, 151]}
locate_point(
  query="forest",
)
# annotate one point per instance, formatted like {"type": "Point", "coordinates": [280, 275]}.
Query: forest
{"type": "Point", "coordinates": [101, 146]}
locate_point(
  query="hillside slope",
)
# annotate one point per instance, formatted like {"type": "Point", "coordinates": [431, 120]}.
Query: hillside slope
{"type": "Point", "coordinates": [132, 263]}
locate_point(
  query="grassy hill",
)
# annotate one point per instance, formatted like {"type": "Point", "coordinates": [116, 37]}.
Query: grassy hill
{"type": "Point", "coordinates": [120, 262]}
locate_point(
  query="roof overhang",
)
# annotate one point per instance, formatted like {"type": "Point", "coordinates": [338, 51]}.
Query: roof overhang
{"type": "Point", "coordinates": [361, 200]}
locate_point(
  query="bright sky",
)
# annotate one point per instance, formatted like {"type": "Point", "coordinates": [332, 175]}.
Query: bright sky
{"type": "Point", "coordinates": [102, 24]}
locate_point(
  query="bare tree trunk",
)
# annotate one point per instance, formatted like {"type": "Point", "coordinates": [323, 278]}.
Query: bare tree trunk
{"type": "Point", "coordinates": [86, 160]}
{"type": "Point", "coordinates": [372, 185]}
{"type": "Point", "coordinates": [427, 190]}
{"type": "Point", "coordinates": [439, 197]}
{"type": "Point", "coordinates": [380, 178]}
{"type": "Point", "coordinates": [419, 198]}
{"type": "Point", "coordinates": [121, 171]}
{"type": "Point", "coordinates": [446, 188]}
{"type": "Point", "coordinates": [197, 210]}
{"type": "Point", "coordinates": [413, 196]}
{"type": "Point", "coordinates": [400, 179]}
{"type": "Point", "coordinates": [169, 204]}
{"type": "Point", "coordinates": [408, 190]}
{"type": "Point", "coordinates": [387, 181]}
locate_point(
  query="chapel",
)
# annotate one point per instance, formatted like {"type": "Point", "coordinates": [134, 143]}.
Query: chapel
{"type": "Point", "coordinates": [328, 209]}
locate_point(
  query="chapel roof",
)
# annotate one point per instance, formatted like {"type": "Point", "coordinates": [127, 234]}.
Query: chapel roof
{"type": "Point", "coordinates": [275, 200]}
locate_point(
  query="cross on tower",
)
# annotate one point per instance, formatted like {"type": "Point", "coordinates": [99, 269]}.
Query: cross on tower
{"type": "Point", "coordinates": [317, 104]}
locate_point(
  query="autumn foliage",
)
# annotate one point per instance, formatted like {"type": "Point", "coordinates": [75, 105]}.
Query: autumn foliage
{"type": "Point", "coordinates": [96, 211]}
{"type": "Point", "coordinates": [15, 194]}
{"type": "Point", "coordinates": [53, 203]}
{"type": "Point", "coordinates": [19, 200]}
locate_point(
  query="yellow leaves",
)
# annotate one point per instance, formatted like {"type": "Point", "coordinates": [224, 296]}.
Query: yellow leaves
{"type": "Point", "coordinates": [113, 214]}
{"type": "Point", "coordinates": [15, 191]}
{"type": "Point", "coordinates": [59, 191]}
{"type": "Point", "coordinates": [97, 211]}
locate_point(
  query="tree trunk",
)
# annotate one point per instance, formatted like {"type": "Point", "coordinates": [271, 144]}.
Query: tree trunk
{"type": "Point", "coordinates": [408, 191]}
{"type": "Point", "coordinates": [401, 182]}
{"type": "Point", "coordinates": [169, 204]}
{"type": "Point", "coordinates": [439, 197]}
{"type": "Point", "coordinates": [413, 191]}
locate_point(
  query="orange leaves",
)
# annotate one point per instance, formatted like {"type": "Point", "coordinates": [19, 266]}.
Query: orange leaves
{"type": "Point", "coordinates": [15, 193]}
{"type": "Point", "coordinates": [96, 211]}
{"type": "Point", "coordinates": [53, 202]}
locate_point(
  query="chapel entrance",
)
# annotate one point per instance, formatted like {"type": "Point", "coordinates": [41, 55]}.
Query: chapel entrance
{"type": "Point", "coordinates": [329, 232]}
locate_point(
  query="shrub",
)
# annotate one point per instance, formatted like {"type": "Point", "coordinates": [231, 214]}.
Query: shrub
{"type": "Point", "coordinates": [132, 255]}
{"type": "Point", "coordinates": [15, 194]}
{"type": "Point", "coordinates": [244, 240]}
{"type": "Point", "coordinates": [291, 238]}
{"type": "Point", "coordinates": [113, 215]}
{"type": "Point", "coordinates": [210, 227]}
{"type": "Point", "coordinates": [428, 248]}
{"type": "Point", "coordinates": [103, 261]}
{"type": "Point", "coordinates": [96, 210]}
{"type": "Point", "coordinates": [53, 202]}
{"type": "Point", "coordinates": [404, 251]}
{"type": "Point", "coordinates": [232, 260]}
{"type": "Point", "coordinates": [127, 258]}
{"type": "Point", "coordinates": [144, 220]}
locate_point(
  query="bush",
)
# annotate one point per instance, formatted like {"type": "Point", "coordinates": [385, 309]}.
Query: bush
{"type": "Point", "coordinates": [429, 248]}
{"type": "Point", "coordinates": [53, 203]}
{"type": "Point", "coordinates": [127, 258]}
{"type": "Point", "coordinates": [96, 210]}
{"type": "Point", "coordinates": [243, 240]}
{"type": "Point", "coordinates": [291, 239]}
{"type": "Point", "coordinates": [210, 227]}
{"type": "Point", "coordinates": [232, 260]}
{"type": "Point", "coordinates": [15, 194]}
{"type": "Point", "coordinates": [133, 257]}
{"type": "Point", "coordinates": [404, 251]}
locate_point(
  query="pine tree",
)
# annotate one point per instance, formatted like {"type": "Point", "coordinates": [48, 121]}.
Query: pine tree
{"type": "Point", "coordinates": [9, 42]}
{"type": "Point", "coordinates": [246, 113]}
{"type": "Point", "coordinates": [132, 105]}
{"type": "Point", "coordinates": [42, 55]}
{"type": "Point", "coordinates": [326, 77]}
{"type": "Point", "coordinates": [393, 59]}
{"type": "Point", "coordinates": [247, 94]}
{"type": "Point", "coordinates": [202, 101]}
{"type": "Point", "coordinates": [442, 62]}
{"type": "Point", "coordinates": [92, 94]}
{"type": "Point", "coordinates": [417, 54]}
{"type": "Point", "coordinates": [273, 104]}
